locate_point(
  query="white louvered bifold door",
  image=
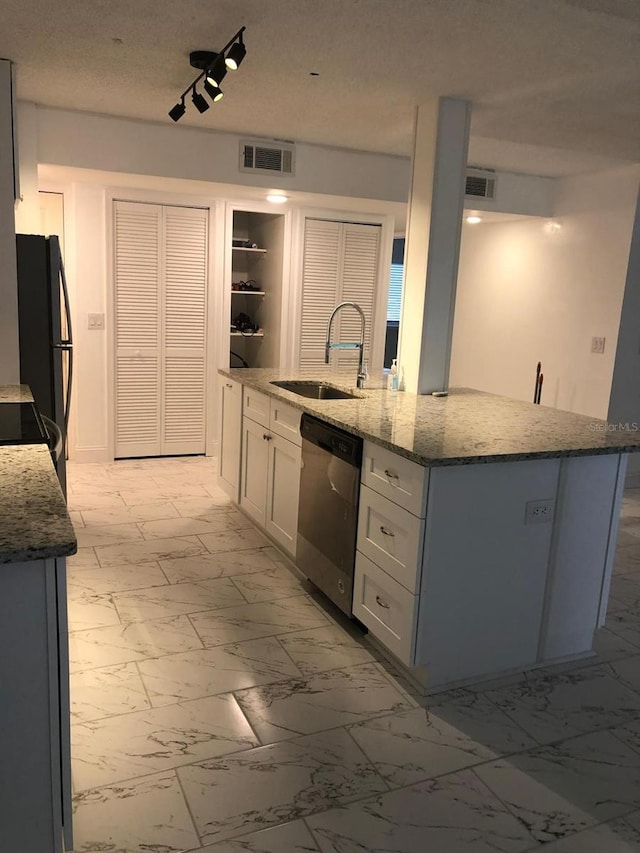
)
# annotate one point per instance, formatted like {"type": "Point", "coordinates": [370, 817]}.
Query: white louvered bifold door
{"type": "Point", "coordinates": [137, 329]}
{"type": "Point", "coordinates": [185, 289]}
{"type": "Point", "coordinates": [340, 264]}
{"type": "Point", "coordinates": [359, 279]}
{"type": "Point", "coordinates": [160, 311]}
{"type": "Point", "coordinates": [320, 278]}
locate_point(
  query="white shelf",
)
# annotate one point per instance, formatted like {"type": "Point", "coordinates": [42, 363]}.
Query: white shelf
{"type": "Point", "coordinates": [248, 292]}
{"type": "Point", "coordinates": [258, 334]}
{"type": "Point", "coordinates": [248, 249]}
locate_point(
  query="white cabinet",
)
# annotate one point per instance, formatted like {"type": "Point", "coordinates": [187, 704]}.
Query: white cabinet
{"type": "Point", "coordinates": [393, 499]}
{"type": "Point", "coordinates": [283, 484]}
{"type": "Point", "coordinates": [230, 436]}
{"type": "Point", "coordinates": [255, 460]}
{"type": "Point", "coordinates": [386, 608]}
{"type": "Point", "coordinates": [270, 478]}
{"type": "Point", "coordinates": [35, 775]}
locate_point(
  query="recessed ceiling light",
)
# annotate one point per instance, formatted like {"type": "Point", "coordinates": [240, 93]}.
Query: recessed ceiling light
{"type": "Point", "coordinates": [473, 220]}
{"type": "Point", "coordinates": [276, 198]}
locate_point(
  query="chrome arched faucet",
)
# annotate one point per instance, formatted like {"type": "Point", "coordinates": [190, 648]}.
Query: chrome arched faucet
{"type": "Point", "coordinates": [348, 344]}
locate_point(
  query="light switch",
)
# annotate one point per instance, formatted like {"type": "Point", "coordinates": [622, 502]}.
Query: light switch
{"type": "Point", "coordinates": [96, 321]}
{"type": "Point", "coordinates": [597, 345]}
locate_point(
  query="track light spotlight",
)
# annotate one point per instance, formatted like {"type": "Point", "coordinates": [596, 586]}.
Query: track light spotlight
{"type": "Point", "coordinates": [216, 74]}
{"type": "Point", "coordinates": [178, 111]}
{"type": "Point", "coordinates": [213, 66]}
{"type": "Point", "coordinates": [199, 101]}
{"type": "Point", "coordinates": [237, 53]}
{"type": "Point", "coordinates": [214, 92]}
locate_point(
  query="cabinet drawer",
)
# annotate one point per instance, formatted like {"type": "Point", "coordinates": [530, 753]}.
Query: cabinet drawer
{"type": "Point", "coordinates": [285, 421]}
{"type": "Point", "coordinates": [391, 537]}
{"type": "Point", "coordinates": [386, 608]}
{"type": "Point", "coordinates": [402, 481]}
{"type": "Point", "coordinates": [256, 406]}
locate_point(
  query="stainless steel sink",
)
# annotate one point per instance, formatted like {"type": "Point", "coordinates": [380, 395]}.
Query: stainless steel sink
{"type": "Point", "coordinates": [315, 390]}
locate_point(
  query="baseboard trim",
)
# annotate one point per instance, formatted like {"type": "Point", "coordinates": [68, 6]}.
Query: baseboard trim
{"type": "Point", "coordinates": [90, 454]}
{"type": "Point", "coordinates": [632, 480]}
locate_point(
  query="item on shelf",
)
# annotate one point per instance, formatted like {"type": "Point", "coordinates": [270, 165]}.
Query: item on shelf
{"type": "Point", "coordinates": [239, 243]}
{"type": "Point", "coordinates": [243, 361]}
{"type": "Point", "coordinates": [243, 323]}
{"type": "Point", "coordinates": [249, 286]}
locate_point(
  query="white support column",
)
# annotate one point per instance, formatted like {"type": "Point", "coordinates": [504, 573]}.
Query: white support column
{"type": "Point", "coordinates": [9, 352]}
{"type": "Point", "coordinates": [433, 243]}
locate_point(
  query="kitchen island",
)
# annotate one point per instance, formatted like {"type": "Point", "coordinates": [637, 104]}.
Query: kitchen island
{"type": "Point", "coordinates": [35, 536]}
{"type": "Point", "coordinates": [486, 525]}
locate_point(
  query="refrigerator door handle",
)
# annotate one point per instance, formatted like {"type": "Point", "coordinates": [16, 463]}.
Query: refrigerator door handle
{"type": "Point", "coordinates": [68, 346]}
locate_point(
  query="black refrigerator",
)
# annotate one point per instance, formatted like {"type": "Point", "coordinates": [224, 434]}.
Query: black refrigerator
{"type": "Point", "coordinates": [46, 344]}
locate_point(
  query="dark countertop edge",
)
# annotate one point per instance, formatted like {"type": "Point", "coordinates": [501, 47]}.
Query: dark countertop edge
{"type": "Point", "coordinates": [264, 387]}
{"type": "Point", "coordinates": [45, 553]}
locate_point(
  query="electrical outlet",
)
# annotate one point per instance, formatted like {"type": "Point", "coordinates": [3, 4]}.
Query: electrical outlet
{"type": "Point", "coordinates": [597, 345]}
{"type": "Point", "coordinates": [539, 512]}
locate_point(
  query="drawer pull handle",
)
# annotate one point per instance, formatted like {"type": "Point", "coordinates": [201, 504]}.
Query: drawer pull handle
{"type": "Point", "coordinates": [386, 532]}
{"type": "Point", "coordinates": [381, 603]}
{"type": "Point", "coordinates": [228, 385]}
{"type": "Point", "coordinates": [391, 475]}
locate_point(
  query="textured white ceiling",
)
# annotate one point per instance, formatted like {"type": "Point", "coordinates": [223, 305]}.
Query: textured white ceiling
{"type": "Point", "coordinates": [561, 74]}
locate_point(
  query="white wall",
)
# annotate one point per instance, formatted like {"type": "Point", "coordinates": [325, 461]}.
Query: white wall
{"type": "Point", "coordinates": [122, 145]}
{"type": "Point", "coordinates": [536, 290]}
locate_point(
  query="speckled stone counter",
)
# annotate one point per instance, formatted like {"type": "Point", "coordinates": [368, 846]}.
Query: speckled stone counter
{"type": "Point", "coordinates": [15, 394]}
{"type": "Point", "coordinates": [464, 428]}
{"type": "Point", "coordinates": [34, 522]}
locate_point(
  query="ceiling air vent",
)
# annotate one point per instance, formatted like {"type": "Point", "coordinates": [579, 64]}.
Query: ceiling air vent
{"type": "Point", "coordinates": [481, 183]}
{"type": "Point", "coordinates": [258, 157]}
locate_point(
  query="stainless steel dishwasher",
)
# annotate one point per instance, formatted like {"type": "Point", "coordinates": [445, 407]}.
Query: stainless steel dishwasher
{"type": "Point", "coordinates": [328, 511]}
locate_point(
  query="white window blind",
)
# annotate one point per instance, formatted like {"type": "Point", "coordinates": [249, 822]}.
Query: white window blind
{"type": "Point", "coordinates": [340, 264]}
{"type": "Point", "coordinates": [394, 305]}
{"type": "Point", "coordinates": [160, 312]}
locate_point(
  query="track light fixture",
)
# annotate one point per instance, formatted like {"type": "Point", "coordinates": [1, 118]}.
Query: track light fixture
{"type": "Point", "coordinates": [214, 92]}
{"type": "Point", "coordinates": [237, 53]}
{"type": "Point", "coordinates": [214, 67]}
{"type": "Point", "coordinates": [178, 111]}
{"type": "Point", "coordinates": [199, 101]}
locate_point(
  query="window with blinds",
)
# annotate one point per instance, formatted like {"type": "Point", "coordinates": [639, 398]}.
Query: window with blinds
{"type": "Point", "coordinates": [160, 325]}
{"type": "Point", "coordinates": [340, 264]}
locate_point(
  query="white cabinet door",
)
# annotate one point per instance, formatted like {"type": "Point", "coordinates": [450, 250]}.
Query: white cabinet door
{"type": "Point", "coordinates": [230, 436]}
{"type": "Point", "coordinates": [255, 457]}
{"type": "Point", "coordinates": [283, 483]}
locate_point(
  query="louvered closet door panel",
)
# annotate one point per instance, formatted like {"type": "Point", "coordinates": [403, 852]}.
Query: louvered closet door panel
{"type": "Point", "coordinates": [185, 289]}
{"type": "Point", "coordinates": [137, 329]}
{"type": "Point", "coordinates": [320, 276]}
{"type": "Point", "coordinates": [359, 280]}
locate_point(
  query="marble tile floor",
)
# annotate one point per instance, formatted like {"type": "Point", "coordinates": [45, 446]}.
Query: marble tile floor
{"type": "Point", "coordinates": [219, 705]}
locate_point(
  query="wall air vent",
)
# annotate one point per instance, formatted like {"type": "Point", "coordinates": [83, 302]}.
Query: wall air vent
{"type": "Point", "coordinates": [481, 183]}
{"type": "Point", "coordinates": [266, 158]}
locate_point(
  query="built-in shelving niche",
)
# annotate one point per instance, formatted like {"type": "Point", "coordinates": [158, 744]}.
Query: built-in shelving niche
{"type": "Point", "coordinates": [261, 261]}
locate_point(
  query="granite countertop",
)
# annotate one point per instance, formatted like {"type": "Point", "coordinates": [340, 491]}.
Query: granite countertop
{"type": "Point", "coordinates": [464, 428]}
{"type": "Point", "coordinates": [34, 522]}
{"type": "Point", "coordinates": [15, 394]}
